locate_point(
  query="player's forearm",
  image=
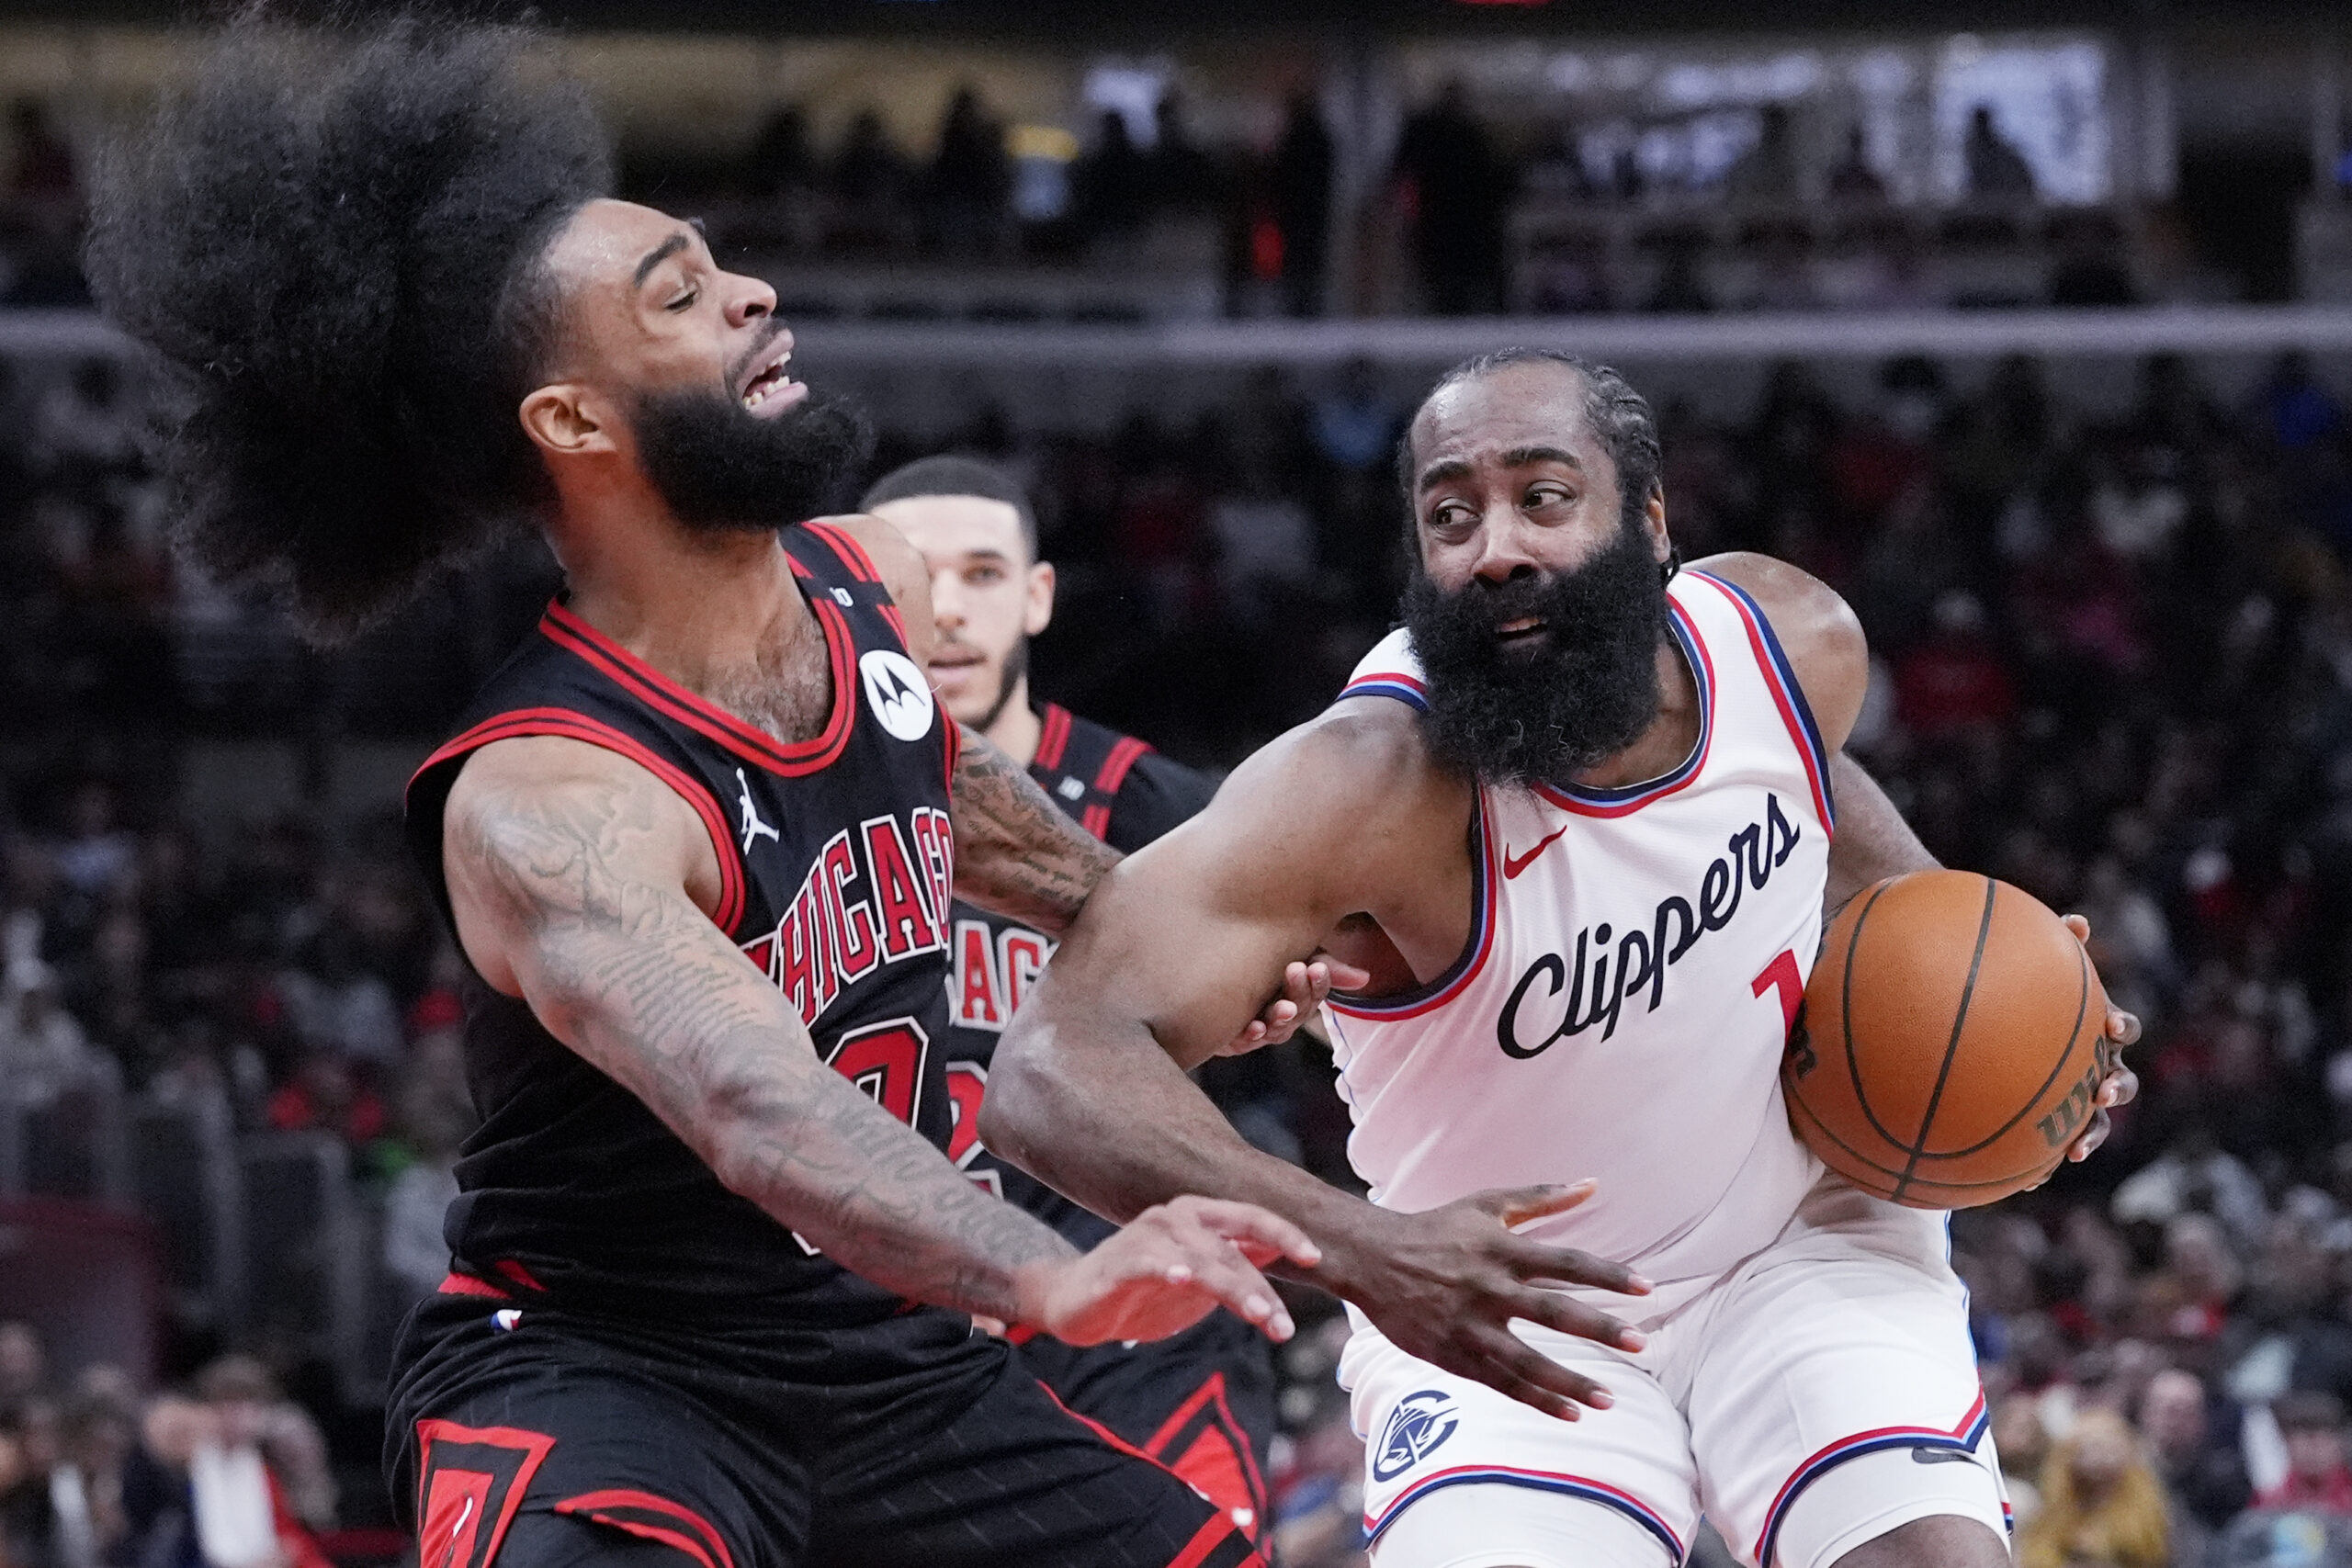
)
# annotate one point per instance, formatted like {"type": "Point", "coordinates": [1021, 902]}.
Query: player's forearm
{"type": "Point", "coordinates": [1118, 1127]}
{"type": "Point", "coordinates": [1016, 853]}
{"type": "Point", "coordinates": [630, 974]}
{"type": "Point", "coordinates": [1872, 842]}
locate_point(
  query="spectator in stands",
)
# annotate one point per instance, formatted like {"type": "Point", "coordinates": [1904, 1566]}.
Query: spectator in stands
{"type": "Point", "coordinates": [2102, 1504]}
{"type": "Point", "coordinates": [2296, 409]}
{"type": "Point", "coordinates": [1996, 170]}
{"type": "Point", "coordinates": [970, 179]}
{"type": "Point", "coordinates": [1107, 188]}
{"type": "Point", "coordinates": [1301, 195]}
{"type": "Point", "coordinates": [251, 1415]}
{"type": "Point", "coordinates": [42, 166]}
{"type": "Point", "coordinates": [1852, 178]}
{"type": "Point", "coordinates": [1766, 173]}
{"type": "Point", "coordinates": [43, 1051]}
{"type": "Point", "coordinates": [1179, 179]}
{"type": "Point", "coordinates": [1453, 188]}
{"type": "Point", "coordinates": [23, 1363]}
{"type": "Point", "coordinates": [2203, 1475]}
{"type": "Point", "coordinates": [2318, 1477]}
{"type": "Point", "coordinates": [868, 186]}
{"type": "Point", "coordinates": [1955, 685]}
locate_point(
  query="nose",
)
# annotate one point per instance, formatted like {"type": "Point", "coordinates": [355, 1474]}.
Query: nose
{"type": "Point", "coordinates": [1503, 552]}
{"type": "Point", "coordinates": [946, 601]}
{"type": "Point", "coordinates": [751, 300]}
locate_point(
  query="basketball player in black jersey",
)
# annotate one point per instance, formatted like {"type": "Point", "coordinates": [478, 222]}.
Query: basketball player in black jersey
{"type": "Point", "coordinates": [713, 1276]}
{"type": "Point", "coordinates": [1204, 1400]}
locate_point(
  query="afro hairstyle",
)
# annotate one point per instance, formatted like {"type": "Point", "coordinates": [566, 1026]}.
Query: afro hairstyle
{"type": "Point", "coordinates": [332, 246]}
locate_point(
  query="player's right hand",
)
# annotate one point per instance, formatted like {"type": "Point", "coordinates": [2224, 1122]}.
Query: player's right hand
{"type": "Point", "coordinates": [1444, 1284]}
{"type": "Point", "coordinates": [1168, 1268]}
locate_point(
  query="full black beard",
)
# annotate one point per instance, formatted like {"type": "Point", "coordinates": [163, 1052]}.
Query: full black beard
{"type": "Point", "coordinates": [1582, 693]}
{"type": "Point", "coordinates": [721, 470]}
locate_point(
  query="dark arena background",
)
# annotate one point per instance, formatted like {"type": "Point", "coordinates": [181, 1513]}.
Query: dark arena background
{"type": "Point", "coordinates": [2029, 328]}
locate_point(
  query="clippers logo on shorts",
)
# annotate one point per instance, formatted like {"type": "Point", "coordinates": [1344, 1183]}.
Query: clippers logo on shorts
{"type": "Point", "coordinates": [871, 897]}
{"type": "Point", "coordinates": [897, 692]}
{"type": "Point", "coordinates": [1599, 980]}
{"type": "Point", "coordinates": [1417, 1427]}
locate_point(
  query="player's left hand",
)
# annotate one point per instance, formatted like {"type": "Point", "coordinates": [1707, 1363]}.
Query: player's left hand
{"type": "Point", "coordinates": [2121, 1083]}
{"type": "Point", "coordinates": [1305, 985]}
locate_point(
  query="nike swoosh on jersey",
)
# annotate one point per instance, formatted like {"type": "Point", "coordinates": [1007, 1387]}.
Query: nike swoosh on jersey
{"type": "Point", "coordinates": [1514, 865]}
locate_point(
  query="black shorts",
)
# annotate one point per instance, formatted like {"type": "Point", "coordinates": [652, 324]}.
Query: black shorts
{"type": "Point", "coordinates": [1201, 1403]}
{"type": "Point", "coordinates": [565, 1440]}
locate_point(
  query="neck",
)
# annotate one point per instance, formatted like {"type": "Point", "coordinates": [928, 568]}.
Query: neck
{"type": "Point", "coordinates": [1017, 729]}
{"type": "Point", "coordinates": [695, 605]}
{"type": "Point", "coordinates": [1662, 748]}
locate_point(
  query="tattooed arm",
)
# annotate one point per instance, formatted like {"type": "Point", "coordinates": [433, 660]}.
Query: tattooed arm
{"type": "Point", "coordinates": [580, 884]}
{"type": "Point", "coordinates": [1016, 852]}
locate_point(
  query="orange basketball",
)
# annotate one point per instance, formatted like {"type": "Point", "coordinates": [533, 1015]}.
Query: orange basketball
{"type": "Point", "coordinates": [1952, 1039]}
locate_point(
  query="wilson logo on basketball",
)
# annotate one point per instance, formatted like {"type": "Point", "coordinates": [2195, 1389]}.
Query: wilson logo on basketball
{"type": "Point", "coordinates": [1608, 965]}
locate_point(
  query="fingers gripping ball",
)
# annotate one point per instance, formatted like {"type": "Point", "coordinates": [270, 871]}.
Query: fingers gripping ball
{"type": "Point", "coordinates": [1952, 1043]}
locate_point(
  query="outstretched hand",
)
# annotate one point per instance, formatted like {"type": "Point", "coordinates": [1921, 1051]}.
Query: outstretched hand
{"type": "Point", "coordinates": [1304, 987]}
{"type": "Point", "coordinates": [1170, 1267]}
{"type": "Point", "coordinates": [1444, 1285]}
{"type": "Point", "coordinates": [2120, 1084]}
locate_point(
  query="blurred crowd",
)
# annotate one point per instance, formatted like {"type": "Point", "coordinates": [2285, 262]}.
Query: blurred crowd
{"type": "Point", "coordinates": [1461, 214]}
{"type": "Point", "coordinates": [2113, 664]}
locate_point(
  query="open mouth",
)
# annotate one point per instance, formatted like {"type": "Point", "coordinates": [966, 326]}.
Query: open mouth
{"type": "Point", "coordinates": [1526, 628]}
{"type": "Point", "coordinates": [772, 388]}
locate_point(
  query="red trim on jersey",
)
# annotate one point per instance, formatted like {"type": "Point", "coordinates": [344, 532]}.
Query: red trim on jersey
{"type": "Point", "coordinates": [710, 1550]}
{"type": "Point", "coordinates": [853, 555]}
{"type": "Point", "coordinates": [1961, 1433]}
{"type": "Point", "coordinates": [534, 1447]}
{"type": "Point", "coordinates": [456, 1284]}
{"type": "Point", "coordinates": [1053, 738]}
{"type": "Point", "coordinates": [1207, 1539]}
{"type": "Point", "coordinates": [1613, 803]}
{"type": "Point", "coordinates": [572, 725]}
{"type": "Point", "coordinates": [1808, 748]}
{"type": "Point", "coordinates": [1482, 939]}
{"type": "Point", "coordinates": [519, 1274]}
{"type": "Point", "coordinates": [648, 685]}
{"type": "Point", "coordinates": [1212, 1393]}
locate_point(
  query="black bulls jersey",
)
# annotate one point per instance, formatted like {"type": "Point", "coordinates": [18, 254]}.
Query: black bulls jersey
{"type": "Point", "coordinates": [1123, 793]}
{"type": "Point", "coordinates": [836, 865]}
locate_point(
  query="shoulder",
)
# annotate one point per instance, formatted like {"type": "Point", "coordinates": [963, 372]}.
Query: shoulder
{"type": "Point", "coordinates": [542, 799]}
{"type": "Point", "coordinates": [1358, 767]}
{"type": "Point", "coordinates": [904, 575]}
{"type": "Point", "coordinates": [1816, 628]}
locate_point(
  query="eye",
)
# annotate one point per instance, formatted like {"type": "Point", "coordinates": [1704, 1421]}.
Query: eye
{"type": "Point", "coordinates": [685, 301]}
{"type": "Point", "coordinates": [1549, 494]}
{"type": "Point", "coordinates": [1449, 516]}
{"type": "Point", "coordinates": [984, 576]}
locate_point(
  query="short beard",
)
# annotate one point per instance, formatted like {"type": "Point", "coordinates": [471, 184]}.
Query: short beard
{"type": "Point", "coordinates": [1009, 679]}
{"type": "Point", "coordinates": [1541, 715]}
{"type": "Point", "coordinates": [721, 470]}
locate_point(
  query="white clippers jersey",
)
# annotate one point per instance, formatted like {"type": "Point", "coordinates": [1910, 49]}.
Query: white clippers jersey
{"type": "Point", "coordinates": [1635, 961]}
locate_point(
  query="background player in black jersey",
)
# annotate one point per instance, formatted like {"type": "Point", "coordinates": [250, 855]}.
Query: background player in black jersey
{"type": "Point", "coordinates": [1204, 1400]}
{"type": "Point", "coordinates": [695, 845]}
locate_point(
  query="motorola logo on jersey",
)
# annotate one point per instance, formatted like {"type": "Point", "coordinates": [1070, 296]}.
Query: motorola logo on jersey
{"type": "Point", "coordinates": [1417, 1427]}
{"type": "Point", "coordinates": [1610, 966]}
{"type": "Point", "coordinates": [897, 692]}
{"type": "Point", "coordinates": [873, 897]}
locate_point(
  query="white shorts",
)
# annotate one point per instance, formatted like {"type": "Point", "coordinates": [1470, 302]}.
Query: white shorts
{"type": "Point", "coordinates": [1766, 1404]}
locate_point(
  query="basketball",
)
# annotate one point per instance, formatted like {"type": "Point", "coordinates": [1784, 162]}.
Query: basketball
{"type": "Point", "coordinates": [1952, 1043]}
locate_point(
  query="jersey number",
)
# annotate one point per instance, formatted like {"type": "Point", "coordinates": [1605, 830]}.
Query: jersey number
{"type": "Point", "coordinates": [1782, 975]}
{"type": "Point", "coordinates": [885, 1060]}
{"type": "Point", "coordinates": [968, 1085]}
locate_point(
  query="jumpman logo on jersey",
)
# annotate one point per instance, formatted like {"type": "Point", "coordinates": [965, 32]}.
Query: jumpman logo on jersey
{"type": "Point", "coordinates": [753, 827]}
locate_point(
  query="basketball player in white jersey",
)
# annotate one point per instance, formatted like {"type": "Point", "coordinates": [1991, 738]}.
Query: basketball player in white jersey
{"type": "Point", "coordinates": [1579, 819]}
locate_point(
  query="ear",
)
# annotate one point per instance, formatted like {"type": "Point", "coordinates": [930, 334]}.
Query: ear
{"type": "Point", "coordinates": [1039, 612]}
{"type": "Point", "coordinates": [565, 420]}
{"type": "Point", "coordinates": [1654, 525]}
